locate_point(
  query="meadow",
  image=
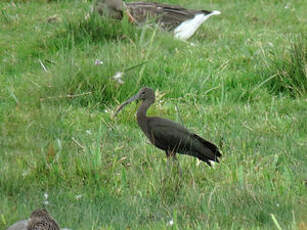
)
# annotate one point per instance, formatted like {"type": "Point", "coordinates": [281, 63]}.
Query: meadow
{"type": "Point", "coordinates": [240, 82]}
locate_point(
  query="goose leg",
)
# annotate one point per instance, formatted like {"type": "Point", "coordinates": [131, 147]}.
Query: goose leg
{"type": "Point", "coordinates": [130, 17]}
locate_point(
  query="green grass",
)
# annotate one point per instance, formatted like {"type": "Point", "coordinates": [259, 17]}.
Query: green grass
{"type": "Point", "coordinates": [243, 86]}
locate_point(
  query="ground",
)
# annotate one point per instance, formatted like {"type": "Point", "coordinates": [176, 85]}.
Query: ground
{"type": "Point", "coordinates": [239, 82]}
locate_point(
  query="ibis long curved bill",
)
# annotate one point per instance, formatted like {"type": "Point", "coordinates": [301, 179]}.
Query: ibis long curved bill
{"type": "Point", "coordinates": [135, 97]}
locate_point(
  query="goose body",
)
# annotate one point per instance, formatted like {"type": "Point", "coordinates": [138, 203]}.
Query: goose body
{"type": "Point", "coordinates": [183, 22]}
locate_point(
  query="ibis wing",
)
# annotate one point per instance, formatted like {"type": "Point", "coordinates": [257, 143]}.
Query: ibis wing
{"type": "Point", "coordinates": [171, 136]}
{"type": "Point", "coordinates": [167, 134]}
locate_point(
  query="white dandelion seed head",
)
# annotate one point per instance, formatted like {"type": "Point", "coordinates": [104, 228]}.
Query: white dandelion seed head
{"type": "Point", "coordinates": [171, 222]}
{"type": "Point", "coordinates": [98, 62]}
{"type": "Point", "coordinates": [120, 81]}
{"type": "Point", "coordinates": [46, 195]}
{"type": "Point", "coordinates": [118, 77]}
{"type": "Point", "coordinates": [25, 173]}
{"type": "Point", "coordinates": [88, 132]}
{"type": "Point", "coordinates": [78, 197]}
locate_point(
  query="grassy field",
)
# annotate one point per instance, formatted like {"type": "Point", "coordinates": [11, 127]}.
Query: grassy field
{"type": "Point", "coordinates": [242, 84]}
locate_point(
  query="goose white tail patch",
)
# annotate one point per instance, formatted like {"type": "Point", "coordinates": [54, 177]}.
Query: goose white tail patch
{"type": "Point", "coordinates": [187, 28]}
{"type": "Point", "coordinates": [215, 12]}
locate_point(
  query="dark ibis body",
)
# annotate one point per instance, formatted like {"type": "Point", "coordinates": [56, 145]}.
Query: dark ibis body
{"type": "Point", "coordinates": [170, 136]}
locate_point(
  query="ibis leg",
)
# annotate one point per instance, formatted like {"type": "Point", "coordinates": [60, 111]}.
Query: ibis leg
{"type": "Point", "coordinates": [171, 156]}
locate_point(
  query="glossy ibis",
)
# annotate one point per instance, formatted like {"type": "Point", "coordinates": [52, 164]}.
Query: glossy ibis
{"type": "Point", "coordinates": [184, 22]}
{"type": "Point", "coordinates": [169, 136]}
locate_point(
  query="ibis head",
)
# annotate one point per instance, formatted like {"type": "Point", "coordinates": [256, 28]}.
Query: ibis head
{"type": "Point", "coordinates": [144, 94]}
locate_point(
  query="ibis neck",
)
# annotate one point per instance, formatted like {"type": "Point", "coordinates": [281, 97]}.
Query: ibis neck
{"type": "Point", "coordinates": [141, 113]}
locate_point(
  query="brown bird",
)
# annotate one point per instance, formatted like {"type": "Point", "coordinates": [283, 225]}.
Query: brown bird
{"type": "Point", "coordinates": [184, 22]}
{"type": "Point", "coordinates": [40, 219]}
{"type": "Point", "coordinates": [170, 136]}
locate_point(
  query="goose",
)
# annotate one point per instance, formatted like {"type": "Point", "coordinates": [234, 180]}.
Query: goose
{"type": "Point", "coordinates": [183, 22]}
